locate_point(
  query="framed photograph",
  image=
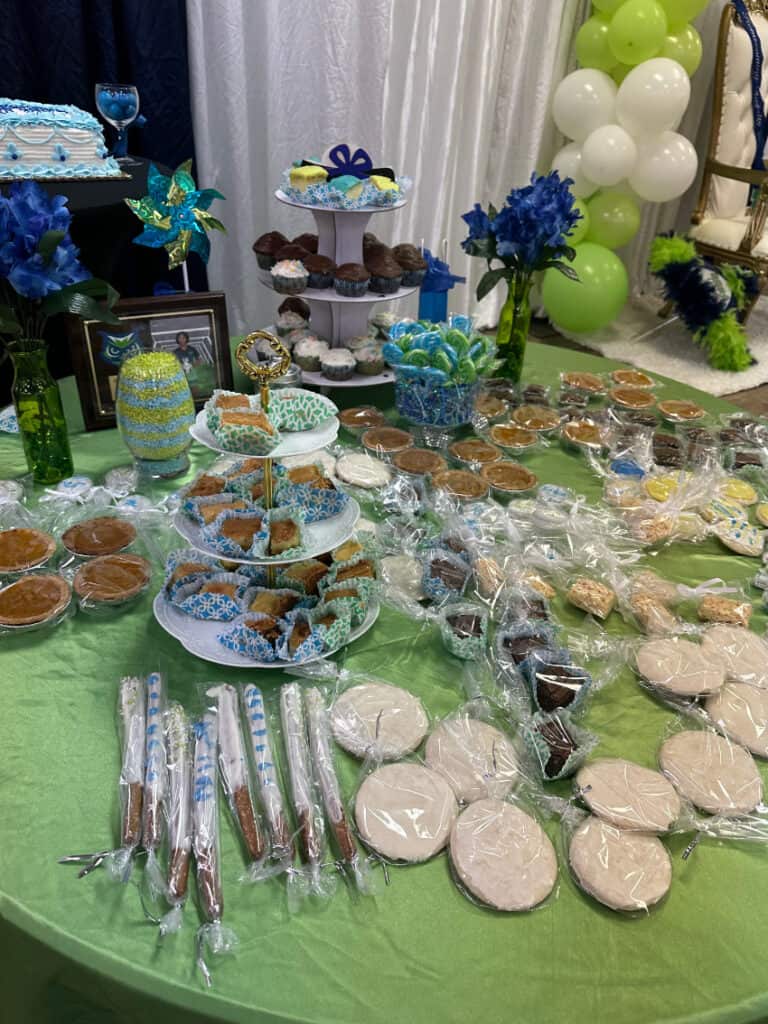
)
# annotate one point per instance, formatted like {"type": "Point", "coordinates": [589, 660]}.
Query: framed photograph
{"type": "Point", "coordinates": [191, 325]}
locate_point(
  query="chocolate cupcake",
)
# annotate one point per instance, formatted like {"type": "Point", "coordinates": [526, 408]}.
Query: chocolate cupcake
{"type": "Point", "coordinates": [386, 274]}
{"type": "Point", "coordinates": [291, 251]}
{"type": "Point", "coordinates": [266, 248]}
{"type": "Point", "coordinates": [294, 305]}
{"type": "Point", "coordinates": [412, 262]}
{"type": "Point", "coordinates": [308, 241]}
{"type": "Point", "coordinates": [351, 280]}
{"type": "Point", "coordinates": [320, 269]}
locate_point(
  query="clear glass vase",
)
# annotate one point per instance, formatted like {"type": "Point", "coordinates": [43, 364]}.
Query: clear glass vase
{"type": "Point", "coordinates": [39, 411]}
{"type": "Point", "coordinates": [514, 327]}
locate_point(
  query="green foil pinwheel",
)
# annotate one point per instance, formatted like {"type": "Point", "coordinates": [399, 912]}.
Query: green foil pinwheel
{"type": "Point", "coordinates": [175, 214]}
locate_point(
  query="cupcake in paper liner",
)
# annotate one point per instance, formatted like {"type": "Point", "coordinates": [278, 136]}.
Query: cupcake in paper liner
{"type": "Point", "coordinates": [554, 682]}
{"type": "Point", "coordinates": [444, 575]}
{"type": "Point", "coordinates": [294, 409]}
{"type": "Point", "coordinates": [247, 431]}
{"type": "Point", "coordinates": [558, 747]}
{"type": "Point", "coordinates": [218, 598]}
{"type": "Point", "coordinates": [352, 599]}
{"type": "Point", "coordinates": [255, 635]}
{"type": "Point", "coordinates": [221, 401]}
{"type": "Point", "coordinates": [280, 602]}
{"type": "Point", "coordinates": [302, 639]}
{"type": "Point", "coordinates": [317, 503]}
{"type": "Point", "coordinates": [285, 533]}
{"type": "Point", "coordinates": [464, 629]}
{"type": "Point", "coordinates": [360, 571]}
{"type": "Point", "coordinates": [205, 510]}
{"type": "Point", "coordinates": [238, 534]}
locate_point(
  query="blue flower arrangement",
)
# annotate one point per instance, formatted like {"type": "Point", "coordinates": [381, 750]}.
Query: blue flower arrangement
{"type": "Point", "coordinates": [40, 270]}
{"type": "Point", "coordinates": [527, 235]}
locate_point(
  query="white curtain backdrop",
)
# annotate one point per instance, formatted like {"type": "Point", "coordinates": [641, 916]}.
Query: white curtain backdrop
{"type": "Point", "coordinates": [454, 93]}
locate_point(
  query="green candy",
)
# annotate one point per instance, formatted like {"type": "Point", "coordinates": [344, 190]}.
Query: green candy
{"type": "Point", "coordinates": [440, 361]}
{"type": "Point", "coordinates": [404, 343]}
{"type": "Point", "coordinates": [466, 372]}
{"type": "Point", "coordinates": [458, 341]}
{"type": "Point", "coordinates": [418, 357]}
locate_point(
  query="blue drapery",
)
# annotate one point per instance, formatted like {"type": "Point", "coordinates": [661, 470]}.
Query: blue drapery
{"type": "Point", "coordinates": [55, 51]}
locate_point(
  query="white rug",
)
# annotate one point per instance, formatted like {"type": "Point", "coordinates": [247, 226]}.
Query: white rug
{"type": "Point", "coordinates": [640, 338]}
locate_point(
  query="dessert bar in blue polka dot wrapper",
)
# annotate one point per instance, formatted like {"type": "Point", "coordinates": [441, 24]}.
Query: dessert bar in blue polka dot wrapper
{"type": "Point", "coordinates": [212, 606]}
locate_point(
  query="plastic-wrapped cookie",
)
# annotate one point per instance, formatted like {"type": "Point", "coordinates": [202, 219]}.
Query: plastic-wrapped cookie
{"type": "Point", "coordinates": [628, 796]}
{"type": "Point", "coordinates": [626, 871]}
{"type": "Point", "coordinates": [405, 812]}
{"type": "Point", "coordinates": [592, 597]}
{"type": "Point", "coordinates": [403, 573]}
{"type": "Point", "coordinates": [502, 856]}
{"type": "Point", "coordinates": [477, 759]}
{"type": "Point", "coordinates": [740, 536]}
{"type": "Point", "coordinates": [714, 608]}
{"type": "Point", "coordinates": [716, 775]}
{"type": "Point", "coordinates": [362, 470]}
{"type": "Point", "coordinates": [378, 719]}
{"type": "Point", "coordinates": [680, 667]}
{"type": "Point", "coordinates": [741, 712]}
{"type": "Point", "coordinates": [744, 654]}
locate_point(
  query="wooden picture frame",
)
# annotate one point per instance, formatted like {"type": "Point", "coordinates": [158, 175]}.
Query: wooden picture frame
{"type": "Point", "coordinates": [157, 322]}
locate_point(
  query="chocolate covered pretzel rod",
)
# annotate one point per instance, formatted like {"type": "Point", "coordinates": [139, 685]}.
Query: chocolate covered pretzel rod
{"type": "Point", "coordinates": [205, 818]}
{"type": "Point", "coordinates": [234, 770]}
{"type": "Point", "coordinates": [131, 707]}
{"type": "Point", "coordinates": [179, 756]}
{"type": "Point", "coordinates": [297, 751]}
{"type": "Point", "coordinates": [325, 774]}
{"type": "Point", "coordinates": [155, 769]}
{"type": "Point", "coordinates": [266, 772]}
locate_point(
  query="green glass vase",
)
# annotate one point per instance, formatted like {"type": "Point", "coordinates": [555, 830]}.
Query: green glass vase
{"type": "Point", "coordinates": [514, 326]}
{"type": "Point", "coordinates": [37, 400]}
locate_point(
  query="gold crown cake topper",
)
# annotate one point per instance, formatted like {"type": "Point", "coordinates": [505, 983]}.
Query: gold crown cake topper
{"type": "Point", "coordinates": [263, 372]}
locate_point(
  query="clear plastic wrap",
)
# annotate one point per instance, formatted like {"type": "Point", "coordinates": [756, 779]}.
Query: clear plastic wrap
{"type": "Point", "coordinates": [155, 810]}
{"type": "Point", "coordinates": [475, 757]}
{"type": "Point", "coordinates": [743, 653]}
{"type": "Point", "coordinates": [212, 935]}
{"type": "Point", "coordinates": [267, 776]}
{"type": "Point", "coordinates": [178, 737]}
{"type": "Point", "coordinates": [628, 796]}
{"type": "Point", "coordinates": [235, 780]}
{"type": "Point", "coordinates": [375, 720]}
{"type": "Point", "coordinates": [132, 717]}
{"type": "Point", "coordinates": [740, 712]}
{"type": "Point", "coordinates": [556, 746]}
{"type": "Point", "coordinates": [679, 668]}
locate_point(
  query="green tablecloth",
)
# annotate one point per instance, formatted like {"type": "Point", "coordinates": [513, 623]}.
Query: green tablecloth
{"type": "Point", "coordinates": [420, 951]}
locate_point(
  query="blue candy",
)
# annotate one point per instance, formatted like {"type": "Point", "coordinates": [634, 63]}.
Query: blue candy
{"type": "Point", "coordinates": [392, 354]}
{"type": "Point", "coordinates": [627, 467]}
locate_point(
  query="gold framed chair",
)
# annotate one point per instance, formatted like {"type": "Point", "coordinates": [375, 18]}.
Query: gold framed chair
{"type": "Point", "coordinates": [729, 222]}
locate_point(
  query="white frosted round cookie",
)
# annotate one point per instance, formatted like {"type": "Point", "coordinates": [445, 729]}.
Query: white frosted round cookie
{"type": "Point", "coordinates": [680, 667]}
{"type": "Point", "coordinates": [405, 812]}
{"type": "Point", "coordinates": [362, 470]}
{"type": "Point", "coordinates": [743, 653]}
{"type": "Point", "coordinates": [477, 759]}
{"type": "Point", "coordinates": [385, 721]}
{"type": "Point", "coordinates": [741, 712]}
{"type": "Point", "coordinates": [715, 774]}
{"type": "Point", "coordinates": [628, 796]}
{"type": "Point", "coordinates": [502, 856]}
{"type": "Point", "coordinates": [740, 536]}
{"type": "Point", "coordinates": [404, 573]}
{"type": "Point", "coordinates": [622, 870]}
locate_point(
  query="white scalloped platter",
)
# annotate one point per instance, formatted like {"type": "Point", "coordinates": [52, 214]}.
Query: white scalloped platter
{"type": "Point", "coordinates": [297, 442]}
{"type": "Point", "coordinates": [199, 637]}
{"type": "Point", "coordinates": [331, 295]}
{"type": "Point", "coordinates": [283, 198]}
{"type": "Point", "coordinates": [357, 380]}
{"type": "Point", "coordinates": [318, 537]}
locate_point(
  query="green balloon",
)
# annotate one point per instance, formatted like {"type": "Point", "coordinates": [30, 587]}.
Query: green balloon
{"type": "Point", "coordinates": [595, 299]}
{"type": "Point", "coordinates": [680, 12]}
{"type": "Point", "coordinates": [637, 31]}
{"type": "Point", "coordinates": [685, 47]}
{"type": "Point", "coordinates": [614, 219]}
{"type": "Point", "coordinates": [592, 49]}
{"type": "Point", "coordinates": [607, 6]}
{"type": "Point", "coordinates": [579, 232]}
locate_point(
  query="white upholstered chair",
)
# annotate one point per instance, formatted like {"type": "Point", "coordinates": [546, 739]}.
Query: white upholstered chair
{"type": "Point", "coordinates": [728, 228]}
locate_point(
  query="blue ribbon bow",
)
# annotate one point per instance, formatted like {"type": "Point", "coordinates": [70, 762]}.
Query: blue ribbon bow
{"type": "Point", "coordinates": [358, 164]}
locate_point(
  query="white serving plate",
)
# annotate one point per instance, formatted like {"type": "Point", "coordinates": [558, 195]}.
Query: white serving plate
{"type": "Point", "coordinates": [357, 380]}
{"type": "Point", "coordinates": [283, 198]}
{"type": "Point", "coordinates": [318, 537]}
{"type": "Point", "coordinates": [199, 637]}
{"type": "Point", "coordinates": [298, 442]}
{"type": "Point", "coordinates": [331, 295]}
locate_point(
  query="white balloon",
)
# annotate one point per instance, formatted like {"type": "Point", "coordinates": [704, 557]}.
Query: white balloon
{"type": "Point", "coordinates": [608, 155]}
{"type": "Point", "coordinates": [583, 102]}
{"type": "Point", "coordinates": [666, 167]}
{"type": "Point", "coordinates": [653, 97]}
{"type": "Point", "coordinates": [568, 163]}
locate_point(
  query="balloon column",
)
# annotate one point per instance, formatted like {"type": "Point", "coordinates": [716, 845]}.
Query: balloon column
{"type": "Point", "coordinates": [622, 110]}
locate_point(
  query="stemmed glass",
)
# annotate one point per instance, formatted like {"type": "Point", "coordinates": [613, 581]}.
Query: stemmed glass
{"type": "Point", "coordinates": [119, 106]}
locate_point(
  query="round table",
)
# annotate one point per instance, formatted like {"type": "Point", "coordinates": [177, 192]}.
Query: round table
{"type": "Point", "coordinates": [419, 950]}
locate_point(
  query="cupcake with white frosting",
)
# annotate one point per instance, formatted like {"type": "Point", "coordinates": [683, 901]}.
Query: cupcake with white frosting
{"type": "Point", "coordinates": [308, 352]}
{"type": "Point", "coordinates": [338, 364]}
{"type": "Point", "coordinates": [289, 277]}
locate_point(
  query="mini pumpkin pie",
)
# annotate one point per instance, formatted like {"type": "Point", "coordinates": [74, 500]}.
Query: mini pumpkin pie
{"type": "Point", "coordinates": [110, 579]}
{"type": "Point", "coordinates": [386, 440]}
{"type": "Point", "coordinates": [284, 534]}
{"type": "Point", "coordinates": [33, 600]}
{"type": "Point", "coordinates": [536, 417]}
{"type": "Point", "coordinates": [632, 398]}
{"type": "Point", "coordinates": [23, 548]}
{"type": "Point", "coordinates": [473, 451]}
{"type": "Point", "coordinates": [679, 411]}
{"type": "Point", "coordinates": [241, 530]}
{"type": "Point", "coordinates": [513, 438]}
{"type": "Point", "coordinates": [585, 382]}
{"type": "Point", "coordinates": [583, 434]}
{"type": "Point", "coordinates": [212, 509]}
{"type": "Point", "coordinates": [361, 418]}
{"type": "Point", "coordinates": [491, 406]}
{"type": "Point", "coordinates": [206, 486]}
{"type": "Point", "coordinates": [104, 535]}
{"type": "Point", "coordinates": [419, 461]}
{"type": "Point", "coordinates": [461, 484]}
{"type": "Point", "coordinates": [508, 477]}
{"type": "Point", "coordinates": [632, 379]}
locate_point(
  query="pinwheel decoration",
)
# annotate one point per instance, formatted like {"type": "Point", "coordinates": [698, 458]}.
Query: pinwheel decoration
{"type": "Point", "coordinates": [175, 214]}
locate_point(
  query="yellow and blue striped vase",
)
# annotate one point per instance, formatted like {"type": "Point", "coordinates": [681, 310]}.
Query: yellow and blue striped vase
{"type": "Point", "coordinates": [154, 413]}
